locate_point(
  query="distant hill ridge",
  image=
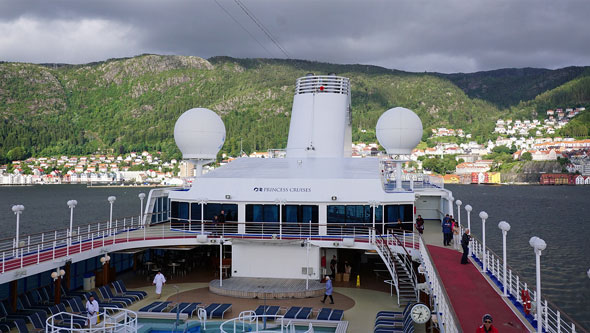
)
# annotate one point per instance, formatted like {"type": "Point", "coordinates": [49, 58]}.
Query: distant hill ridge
{"type": "Point", "coordinates": [131, 104]}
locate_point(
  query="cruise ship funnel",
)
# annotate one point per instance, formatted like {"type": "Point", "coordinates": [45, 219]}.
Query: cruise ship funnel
{"type": "Point", "coordinates": [321, 118]}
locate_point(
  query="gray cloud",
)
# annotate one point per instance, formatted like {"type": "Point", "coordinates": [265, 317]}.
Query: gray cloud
{"type": "Point", "coordinates": [412, 35]}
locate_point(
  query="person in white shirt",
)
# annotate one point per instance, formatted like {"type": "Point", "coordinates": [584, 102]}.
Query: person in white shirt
{"type": "Point", "coordinates": [92, 309]}
{"type": "Point", "coordinates": [159, 281]}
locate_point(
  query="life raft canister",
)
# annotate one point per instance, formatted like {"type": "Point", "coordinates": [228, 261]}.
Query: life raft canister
{"type": "Point", "coordinates": [526, 301]}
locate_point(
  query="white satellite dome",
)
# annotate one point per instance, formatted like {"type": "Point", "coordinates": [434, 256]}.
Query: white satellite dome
{"type": "Point", "coordinates": [199, 134]}
{"type": "Point", "coordinates": [399, 130]}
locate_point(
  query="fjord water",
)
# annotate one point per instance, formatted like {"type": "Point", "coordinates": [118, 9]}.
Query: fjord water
{"type": "Point", "coordinates": [558, 214]}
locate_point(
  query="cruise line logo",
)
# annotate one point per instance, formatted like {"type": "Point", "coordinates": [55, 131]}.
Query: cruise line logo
{"type": "Point", "coordinates": [282, 189]}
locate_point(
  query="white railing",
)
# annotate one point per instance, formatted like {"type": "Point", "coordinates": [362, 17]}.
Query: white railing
{"type": "Point", "coordinates": [249, 321]}
{"type": "Point", "coordinates": [322, 84]}
{"type": "Point", "coordinates": [554, 320]}
{"type": "Point", "coordinates": [447, 320]}
{"type": "Point", "coordinates": [121, 320]}
{"type": "Point", "coordinates": [405, 241]}
{"type": "Point", "coordinates": [387, 256]}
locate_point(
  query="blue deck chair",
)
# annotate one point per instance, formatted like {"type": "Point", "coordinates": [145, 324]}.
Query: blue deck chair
{"type": "Point", "coordinates": [273, 310]}
{"type": "Point", "coordinates": [336, 315]}
{"type": "Point", "coordinates": [260, 310]}
{"type": "Point", "coordinates": [179, 307]}
{"type": "Point", "coordinates": [304, 313]}
{"type": "Point", "coordinates": [190, 310]}
{"type": "Point", "coordinates": [78, 323]}
{"type": "Point", "coordinates": [21, 326]}
{"type": "Point", "coordinates": [104, 303]}
{"type": "Point", "coordinates": [119, 292]}
{"type": "Point", "coordinates": [292, 312]}
{"type": "Point", "coordinates": [62, 308]}
{"type": "Point", "coordinates": [324, 314]}
{"type": "Point", "coordinates": [220, 311]}
{"type": "Point", "coordinates": [39, 321]}
{"type": "Point", "coordinates": [124, 289]}
{"type": "Point", "coordinates": [149, 307]}
{"type": "Point", "coordinates": [4, 328]}
{"type": "Point", "coordinates": [211, 307]}
{"type": "Point", "coordinates": [106, 294]}
{"type": "Point", "coordinates": [160, 307]}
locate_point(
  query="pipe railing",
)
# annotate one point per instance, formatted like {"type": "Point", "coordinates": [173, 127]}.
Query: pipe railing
{"type": "Point", "coordinates": [405, 257]}
{"type": "Point", "coordinates": [249, 321]}
{"type": "Point", "coordinates": [388, 257]}
{"type": "Point", "coordinates": [447, 319]}
{"type": "Point", "coordinates": [554, 319]}
{"type": "Point", "coordinates": [123, 321]}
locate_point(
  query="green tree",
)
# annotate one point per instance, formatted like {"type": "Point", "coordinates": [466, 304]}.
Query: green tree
{"type": "Point", "coordinates": [526, 156]}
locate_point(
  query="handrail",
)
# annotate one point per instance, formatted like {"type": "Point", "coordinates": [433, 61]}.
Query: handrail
{"type": "Point", "coordinates": [123, 320]}
{"type": "Point", "coordinates": [555, 320]}
{"type": "Point", "coordinates": [408, 262]}
{"type": "Point", "coordinates": [385, 253]}
{"type": "Point", "coordinates": [445, 312]}
{"type": "Point", "coordinates": [252, 318]}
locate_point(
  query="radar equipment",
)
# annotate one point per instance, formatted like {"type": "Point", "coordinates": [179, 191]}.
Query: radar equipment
{"type": "Point", "coordinates": [199, 134]}
{"type": "Point", "coordinates": [399, 130]}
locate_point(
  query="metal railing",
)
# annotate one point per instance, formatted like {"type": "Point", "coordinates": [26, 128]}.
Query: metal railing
{"type": "Point", "coordinates": [405, 257]}
{"type": "Point", "coordinates": [112, 320]}
{"type": "Point", "coordinates": [322, 84]}
{"type": "Point", "coordinates": [554, 320]}
{"type": "Point", "coordinates": [447, 319]}
{"type": "Point", "coordinates": [388, 257]}
{"type": "Point", "coordinates": [249, 321]}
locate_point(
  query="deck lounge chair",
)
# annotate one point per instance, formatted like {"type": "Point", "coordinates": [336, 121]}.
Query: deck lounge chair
{"type": "Point", "coordinates": [304, 313]}
{"type": "Point", "coordinates": [211, 307]}
{"type": "Point", "coordinates": [220, 311]}
{"type": "Point", "coordinates": [107, 295]}
{"type": "Point", "coordinates": [179, 307]}
{"type": "Point", "coordinates": [160, 307]}
{"type": "Point", "coordinates": [336, 315]}
{"type": "Point", "coordinates": [105, 303]}
{"type": "Point", "coordinates": [149, 306]}
{"type": "Point", "coordinates": [324, 314]}
{"type": "Point", "coordinates": [21, 326]}
{"type": "Point", "coordinates": [273, 310]}
{"type": "Point", "coordinates": [260, 310]}
{"type": "Point", "coordinates": [191, 309]}
{"type": "Point", "coordinates": [119, 292]}
{"type": "Point", "coordinates": [292, 312]}
{"type": "Point", "coordinates": [77, 323]}
{"type": "Point", "coordinates": [122, 289]}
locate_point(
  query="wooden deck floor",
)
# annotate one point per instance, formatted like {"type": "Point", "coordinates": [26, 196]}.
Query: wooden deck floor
{"type": "Point", "coordinates": [267, 287]}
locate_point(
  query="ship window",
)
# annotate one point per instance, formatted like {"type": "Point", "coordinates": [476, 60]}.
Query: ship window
{"type": "Point", "coordinates": [179, 210]}
{"type": "Point", "coordinates": [262, 213]}
{"type": "Point", "coordinates": [360, 214]}
{"type": "Point", "coordinates": [402, 212]}
{"type": "Point", "coordinates": [300, 213]}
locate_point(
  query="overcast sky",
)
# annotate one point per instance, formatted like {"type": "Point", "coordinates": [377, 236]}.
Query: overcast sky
{"type": "Point", "coordinates": [412, 35]}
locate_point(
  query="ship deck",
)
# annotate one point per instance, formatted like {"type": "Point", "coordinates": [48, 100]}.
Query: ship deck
{"type": "Point", "coordinates": [471, 294]}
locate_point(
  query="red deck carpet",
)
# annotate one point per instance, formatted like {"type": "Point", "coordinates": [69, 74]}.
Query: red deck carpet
{"type": "Point", "coordinates": [471, 295]}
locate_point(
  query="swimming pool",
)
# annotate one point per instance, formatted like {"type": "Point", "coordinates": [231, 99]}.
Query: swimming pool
{"type": "Point", "coordinates": [192, 326]}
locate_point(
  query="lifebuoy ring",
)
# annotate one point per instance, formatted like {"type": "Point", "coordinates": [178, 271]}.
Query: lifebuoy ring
{"type": "Point", "coordinates": [526, 301]}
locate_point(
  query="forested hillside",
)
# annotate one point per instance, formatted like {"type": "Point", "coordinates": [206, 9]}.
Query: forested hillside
{"type": "Point", "coordinates": [132, 104]}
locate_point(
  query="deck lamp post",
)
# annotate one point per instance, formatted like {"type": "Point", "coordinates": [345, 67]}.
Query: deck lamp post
{"type": "Point", "coordinates": [307, 264]}
{"type": "Point", "coordinates": [505, 227]}
{"type": "Point", "coordinates": [111, 200]}
{"type": "Point", "coordinates": [468, 208]}
{"type": "Point", "coordinates": [459, 203]}
{"type": "Point", "coordinates": [72, 204]}
{"type": "Point", "coordinates": [539, 245]}
{"type": "Point", "coordinates": [57, 275]}
{"type": "Point", "coordinates": [202, 203]}
{"type": "Point", "coordinates": [141, 197]}
{"type": "Point", "coordinates": [17, 209]}
{"type": "Point", "coordinates": [104, 260]}
{"type": "Point", "coordinates": [221, 262]}
{"type": "Point", "coordinates": [280, 202]}
{"type": "Point", "coordinates": [483, 215]}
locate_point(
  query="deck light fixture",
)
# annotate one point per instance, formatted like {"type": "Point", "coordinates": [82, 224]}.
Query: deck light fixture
{"type": "Point", "coordinates": [111, 200]}
{"type": "Point", "coordinates": [17, 209]}
{"type": "Point", "coordinates": [72, 204]}
{"type": "Point", "coordinates": [505, 227]}
{"type": "Point", "coordinates": [483, 216]}
{"type": "Point", "coordinates": [539, 245]}
{"type": "Point", "coordinates": [468, 208]}
{"type": "Point", "coordinates": [227, 196]}
{"type": "Point", "coordinates": [141, 197]}
{"type": "Point", "coordinates": [459, 203]}
{"type": "Point", "coordinates": [334, 198]}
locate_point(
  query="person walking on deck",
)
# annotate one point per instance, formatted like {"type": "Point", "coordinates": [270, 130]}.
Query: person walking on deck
{"type": "Point", "coordinates": [487, 326]}
{"type": "Point", "coordinates": [465, 245]}
{"type": "Point", "coordinates": [329, 290]}
{"type": "Point", "coordinates": [456, 234]}
{"type": "Point", "coordinates": [420, 224]}
{"type": "Point", "coordinates": [159, 281]}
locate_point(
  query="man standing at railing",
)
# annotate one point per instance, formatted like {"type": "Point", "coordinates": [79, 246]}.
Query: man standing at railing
{"type": "Point", "coordinates": [465, 245]}
{"type": "Point", "coordinates": [221, 217]}
{"type": "Point", "coordinates": [420, 224]}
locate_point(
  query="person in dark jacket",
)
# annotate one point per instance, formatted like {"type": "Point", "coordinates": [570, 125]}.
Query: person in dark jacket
{"type": "Point", "coordinates": [465, 245]}
{"type": "Point", "coordinates": [447, 229]}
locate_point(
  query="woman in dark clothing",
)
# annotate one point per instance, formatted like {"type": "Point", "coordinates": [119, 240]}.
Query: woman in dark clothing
{"type": "Point", "coordinates": [465, 245]}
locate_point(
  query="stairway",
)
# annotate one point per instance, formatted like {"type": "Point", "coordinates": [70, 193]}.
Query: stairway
{"type": "Point", "coordinates": [401, 270]}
